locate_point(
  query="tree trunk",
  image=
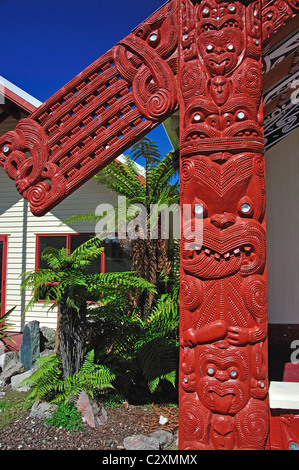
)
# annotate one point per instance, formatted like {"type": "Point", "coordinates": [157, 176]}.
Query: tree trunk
{"type": "Point", "coordinates": [72, 338]}
{"type": "Point", "coordinates": [57, 334]}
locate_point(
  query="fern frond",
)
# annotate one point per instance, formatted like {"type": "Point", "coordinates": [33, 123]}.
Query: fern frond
{"type": "Point", "coordinates": [158, 360]}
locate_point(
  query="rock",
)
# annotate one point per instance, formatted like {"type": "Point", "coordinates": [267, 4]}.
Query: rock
{"type": "Point", "coordinates": [42, 409]}
{"type": "Point", "coordinates": [2, 348]}
{"type": "Point", "coordinates": [11, 369]}
{"type": "Point", "coordinates": [2, 357]}
{"type": "Point", "coordinates": [10, 356]}
{"type": "Point", "coordinates": [141, 442]}
{"type": "Point", "coordinates": [164, 438]}
{"type": "Point", "coordinates": [30, 346]}
{"type": "Point", "coordinates": [17, 379]}
{"type": "Point", "coordinates": [93, 414]}
{"type": "Point", "coordinates": [46, 352]}
{"type": "Point", "coordinates": [47, 338]}
{"type": "Point", "coordinates": [163, 420]}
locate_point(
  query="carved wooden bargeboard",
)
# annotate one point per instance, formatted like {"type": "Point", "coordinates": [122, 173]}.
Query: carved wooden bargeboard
{"type": "Point", "coordinates": [204, 57]}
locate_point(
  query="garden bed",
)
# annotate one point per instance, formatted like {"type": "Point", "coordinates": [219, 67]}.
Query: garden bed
{"type": "Point", "coordinates": [18, 431]}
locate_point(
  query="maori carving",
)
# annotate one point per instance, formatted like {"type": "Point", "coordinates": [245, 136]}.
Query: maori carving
{"type": "Point", "coordinates": [276, 13]}
{"type": "Point", "coordinates": [223, 373]}
{"type": "Point", "coordinates": [203, 56]}
{"type": "Point", "coordinates": [97, 115]}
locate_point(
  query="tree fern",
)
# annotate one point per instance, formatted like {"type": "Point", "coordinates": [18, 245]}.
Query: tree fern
{"type": "Point", "coordinates": [158, 360]}
{"type": "Point", "coordinates": [46, 382]}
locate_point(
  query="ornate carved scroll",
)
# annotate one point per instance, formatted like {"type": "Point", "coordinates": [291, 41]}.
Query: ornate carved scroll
{"type": "Point", "coordinates": [97, 115]}
{"type": "Point", "coordinates": [223, 372]}
{"type": "Point", "coordinates": [275, 14]}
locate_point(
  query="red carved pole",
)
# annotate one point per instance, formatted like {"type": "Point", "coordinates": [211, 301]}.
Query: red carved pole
{"type": "Point", "coordinates": [204, 56]}
{"type": "Point", "coordinates": [223, 365]}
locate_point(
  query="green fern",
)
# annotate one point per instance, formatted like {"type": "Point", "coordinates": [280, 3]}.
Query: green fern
{"type": "Point", "coordinates": [158, 360]}
{"type": "Point", "coordinates": [46, 382]}
{"type": "Point", "coordinates": [46, 379]}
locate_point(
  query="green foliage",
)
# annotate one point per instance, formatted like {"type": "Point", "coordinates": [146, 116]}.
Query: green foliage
{"type": "Point", "coordinates": [12, 407]}
{"type": "Point", "coordinates": [133, 324]}
{"type": "Point", "coordinates": [66, 275]}
{"type": "Point", "coordinates": [47, 382]}
{"type": "Point", "coordinates": [67, 416]}
{"type": "Point", "coordinates": [5, 327]}
{"type": "Point", "coordinates": [158, 359]}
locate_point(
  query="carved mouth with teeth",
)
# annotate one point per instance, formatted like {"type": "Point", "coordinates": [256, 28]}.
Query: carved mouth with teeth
{"type": "Point", "coordinates": [240, 248]}
{"type": "Point", "coordinates": [225, 399]}
{"type": "Point", "coordinates": [215, 264]}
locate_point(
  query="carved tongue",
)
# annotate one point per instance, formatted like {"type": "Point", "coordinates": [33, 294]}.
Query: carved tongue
{"type": "Point", "coordinates": [222, 404]}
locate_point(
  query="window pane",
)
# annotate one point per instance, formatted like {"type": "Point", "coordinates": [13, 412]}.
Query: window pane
{"type": "Point", "coordinates": [54, 242]}
{"type": "Point", "coordinates": [117, 259]}
{"type": "Point", "coordinates": [77, 240]}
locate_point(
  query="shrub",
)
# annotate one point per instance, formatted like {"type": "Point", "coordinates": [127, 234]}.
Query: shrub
{"type": "Point", "coordinates": [67, 416]}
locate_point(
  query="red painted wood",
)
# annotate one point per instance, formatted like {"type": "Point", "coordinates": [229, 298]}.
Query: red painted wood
{"type": "Point", "coordinates": [96, 116]}
{"type": "Point", "coordinates": [205, 58]}
{"type": "Point", "coordinates": [223, 376]}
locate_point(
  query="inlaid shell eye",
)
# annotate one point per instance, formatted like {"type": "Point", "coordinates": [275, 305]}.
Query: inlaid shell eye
{"type": "Point", "coordinates": [198, 209]}
{"type": "Point", "coordinates": [245, 208]}
{"type": "Point", "coordinates": [153, 37]}
{"type": "Point", "coordinates": [211, 369]}
{"type": "Point", "coordinates": [6, 149]}
{"type": "Point", "coordinates": [230, 48]}
{"type": "Point", "coordinates": [210, 48]}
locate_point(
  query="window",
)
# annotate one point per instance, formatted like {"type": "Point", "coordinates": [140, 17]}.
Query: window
{"type": "Point", "coordinates": [113, 259]}
{"type": "Point", "coordinates": [117, 259]}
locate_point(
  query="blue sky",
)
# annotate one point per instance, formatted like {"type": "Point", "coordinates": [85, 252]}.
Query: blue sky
{"type": "Point", "coordinates": [44, 44]}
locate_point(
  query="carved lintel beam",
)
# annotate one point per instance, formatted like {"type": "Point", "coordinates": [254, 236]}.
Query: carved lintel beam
{"type": "Point", "coordinates": [96, 116]}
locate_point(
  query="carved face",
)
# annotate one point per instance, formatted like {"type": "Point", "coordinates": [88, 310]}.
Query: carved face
{"type": "Point", "coordinates": [230, 197]}
{"type": "Point", "coordinates": [220, 49]}
{"type": "Point", "coordinates": [222, 432]}
{"type": "Point", "coordinates": [223, 384]}
{"type": "Point", "coordinates": [219, 90]}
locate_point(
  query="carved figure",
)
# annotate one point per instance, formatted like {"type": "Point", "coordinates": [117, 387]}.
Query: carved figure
{"type": "Point", "coordinates": [222, 179]}
{"type": "Point", "coordinates": [204, 57]}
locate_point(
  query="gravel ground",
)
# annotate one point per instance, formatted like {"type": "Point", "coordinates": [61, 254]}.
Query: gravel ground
{"type": "Point", "coordinates": [27, 433]}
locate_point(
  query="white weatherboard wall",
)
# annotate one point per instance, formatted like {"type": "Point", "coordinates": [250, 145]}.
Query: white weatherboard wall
{"type": "Point", "coordinates": [282, 193]}
{"type": "Point", "coordinates": [22, 227]}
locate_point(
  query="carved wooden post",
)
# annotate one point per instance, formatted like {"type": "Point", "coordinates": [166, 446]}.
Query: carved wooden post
{"type": "Point", "coordinates": [223, 365]}
{"type": "Point", "coordinates": [205, 57]}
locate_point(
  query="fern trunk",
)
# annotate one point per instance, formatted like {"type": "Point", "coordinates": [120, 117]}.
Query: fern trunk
{"type": "Point", "coordinates": [72, 338]}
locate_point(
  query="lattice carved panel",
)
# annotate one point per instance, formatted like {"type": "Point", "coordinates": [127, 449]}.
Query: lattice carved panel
{"type": "Point", "coordinates": [97, 115]}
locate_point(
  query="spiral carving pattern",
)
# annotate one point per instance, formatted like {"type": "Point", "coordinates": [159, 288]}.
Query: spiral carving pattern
{"type": "Point", "coordinates": [193, 421]}
{"type": "Point", "coordinates": [253, 426]}
{"type": "Point", "coordinates": [254, 291]}
{"type": "Point", "coordinates": [191, 292]}
{"type": "Point", "coordinates": [159, 104]}
{"type": "Point", "coordinates": [37, 195]}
